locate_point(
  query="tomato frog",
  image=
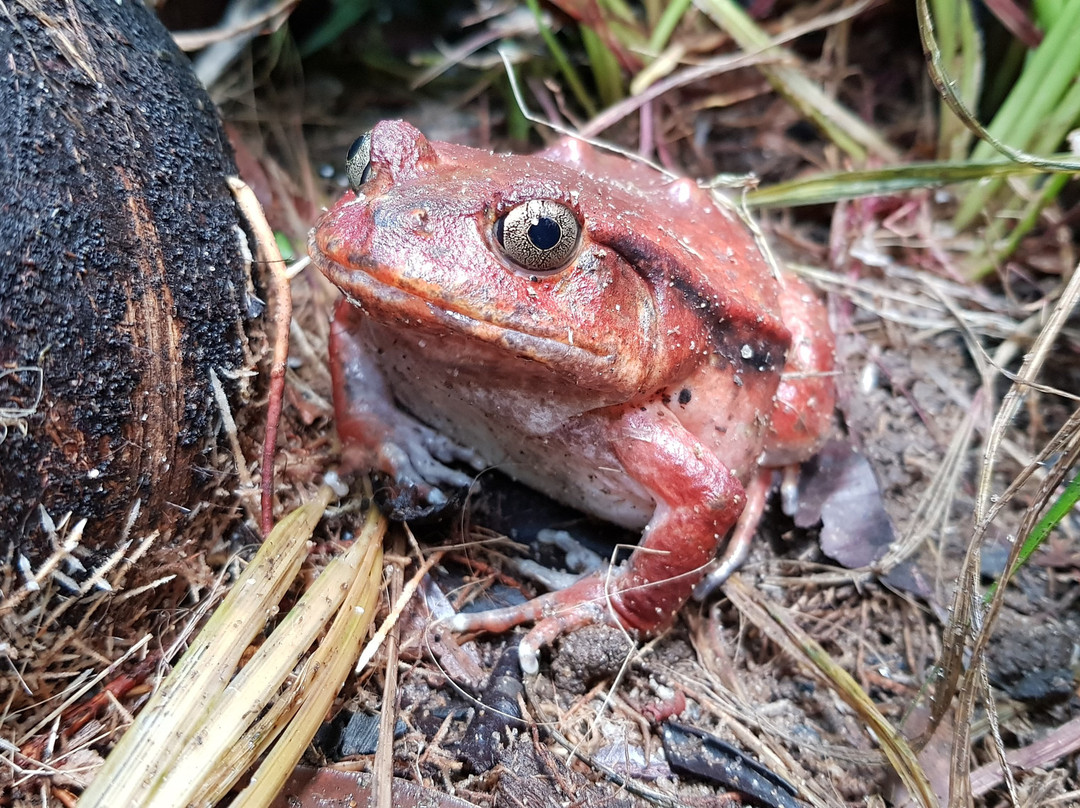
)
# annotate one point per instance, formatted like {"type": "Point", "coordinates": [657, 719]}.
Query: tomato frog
{"type": "Point", "coordinates": [592, 327]}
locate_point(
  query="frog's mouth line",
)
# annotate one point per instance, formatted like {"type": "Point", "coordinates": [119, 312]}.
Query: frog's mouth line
{"type": "Point", "coordinates": [368, 293]}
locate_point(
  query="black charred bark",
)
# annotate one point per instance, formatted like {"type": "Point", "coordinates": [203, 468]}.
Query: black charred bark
{"type": "Point", "coordinates": [121, 278]}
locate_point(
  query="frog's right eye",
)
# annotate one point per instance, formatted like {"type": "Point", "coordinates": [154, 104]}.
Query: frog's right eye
{"type": "Point", "coordinates": [540, 235]}
{"type": "Point", "coordinates": [358, 161]}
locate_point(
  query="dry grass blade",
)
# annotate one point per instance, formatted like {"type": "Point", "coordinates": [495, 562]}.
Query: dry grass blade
{"type": "Point", "coordinates": [968, 619]}
{"type": "Point", "coordinates": [258, 684]}
{"type": "Point", "coordinates": [1064, 740]}
{"type": "Point", "coordinates": [774, 622]}
{"type": "Point", "coordinates": [359, 575]}
{"type": "Point", "coordinates": [842, 127]}
{"type": "Point", "coordinates": [383, 769]}
{"type": "Point", "coordinates": [33, 583]}
{"type": "Point", "coordinates": [137, 771]}
{"type": "Point", "coordinates": [932, 510]}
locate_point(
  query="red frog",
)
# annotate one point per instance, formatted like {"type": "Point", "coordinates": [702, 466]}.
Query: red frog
{"type": "Point", "coordinates": [600, 331]}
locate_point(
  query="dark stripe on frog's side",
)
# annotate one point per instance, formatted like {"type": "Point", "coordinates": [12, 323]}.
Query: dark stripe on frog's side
{"type": "Point", "coordinates": [731, 328]}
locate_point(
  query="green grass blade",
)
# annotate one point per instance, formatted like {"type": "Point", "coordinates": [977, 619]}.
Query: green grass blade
{"type": "Point", "coordinates": [833, 187]}
{"type": "Point", "coordinates": [1051, 69]}
{"type": "Point", "coordinates": [1059, 121]}
{"type": "Point", "coordinates": [946, 87]}
{"type": "Point", "coordinates": [1011, 231]}
{"type": "Point", "coordinates": [518, 126]}
{"type": "Point", "coordinates": [982, 264]}
{"type": "Point", "coordinates": [620, 11]}
{"type": "Point", "coordinates": [343, 15]}
{"type": "Point", "coordinates": [1058, 511]}
{"type": "Point", "coordinates": [605, 67]}
{"type": "Point", "coordinates": [1047, 12]}
{"type": "Point", "coordinates": [961, 49]}
{"type": "Point", "coordinates": [573, 80]}
{"type": "Point", "coordinates": [667, 24]}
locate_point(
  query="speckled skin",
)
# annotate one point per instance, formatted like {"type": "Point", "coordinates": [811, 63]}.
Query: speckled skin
{"type": "Point", "coordinates": [646, 382]}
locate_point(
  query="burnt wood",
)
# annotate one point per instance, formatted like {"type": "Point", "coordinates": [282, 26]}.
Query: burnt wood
{"type": "Point", "coordinates": [121, 278]}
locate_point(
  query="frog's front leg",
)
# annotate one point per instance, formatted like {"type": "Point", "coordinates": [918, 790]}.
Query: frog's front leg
{"type": "Point", "coordinates": [698, 499]}
{"type": "Point", "coordinates": [379, 436]}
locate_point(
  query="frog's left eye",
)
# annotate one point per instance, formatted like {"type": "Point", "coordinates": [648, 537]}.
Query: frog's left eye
{"type": "Point", "coordinates": [358, 161]}
{"type": "Point", "coordinates": [539, 235]}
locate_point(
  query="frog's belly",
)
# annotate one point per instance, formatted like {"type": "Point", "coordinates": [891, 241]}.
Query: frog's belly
{"type": "Point", "coordinates": [522, 420]}
{"type": "Point", "coordinates": [572, 463]}
{"type": "Point", "coordinates": [591, 481]}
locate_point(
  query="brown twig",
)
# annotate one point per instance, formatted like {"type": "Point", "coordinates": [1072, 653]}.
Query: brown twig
{"type": "Point", "coordinates": [281, 316]}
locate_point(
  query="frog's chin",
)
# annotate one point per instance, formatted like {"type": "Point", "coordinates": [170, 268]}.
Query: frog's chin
{"type": "Point", "coordinates": [396, 307]}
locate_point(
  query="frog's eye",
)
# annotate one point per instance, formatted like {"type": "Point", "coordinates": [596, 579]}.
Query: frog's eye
{"type": "Point", "coordinates": [358, 161]}
{"type": "Point", "coordinates": [539, 235]}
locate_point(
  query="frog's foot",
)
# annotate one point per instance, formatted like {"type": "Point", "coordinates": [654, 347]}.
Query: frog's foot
{"type": "Point", "coordinates": [415, 464]}
{"type": "Point", "coordinates": [418, 456]}
{"type": "Point", "coordinates": [414, 478]}
{"type": "Point", "coordinates": [579, 559]}
{"type": "Point", "coordinates": [418, 484]}
{"type": "Point", "coordinates": [698, 499]}
{"type": "Point", "coordinates": [588, 601]}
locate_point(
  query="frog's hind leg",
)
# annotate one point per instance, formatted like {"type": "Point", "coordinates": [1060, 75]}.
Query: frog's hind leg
{"type": "Point", "coordinates": [804, 402]}
{"type": "Point", "coordinates": [698, 500]}
{"type": "Point", "coordinates": [738, 547]}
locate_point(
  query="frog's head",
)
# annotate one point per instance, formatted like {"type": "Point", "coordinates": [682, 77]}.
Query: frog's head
{"type": "Point", "coordinates": [521, 253]}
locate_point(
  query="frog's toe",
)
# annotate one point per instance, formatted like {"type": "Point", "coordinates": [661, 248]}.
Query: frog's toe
{"type": "Point", "coordinates": [579, 558]}
{"type": "Point", "coordinates": [448, 451]}
{"type": "Point", "coordinates": [438, 475]}
{"type": "Point", "coordinates": [547, 630]}
{"type": "Point", "coordinates": [415, 485]}
{"type": "Point", "coordinates": [406, 502]}
{"type": "Point", "coordinates": [413, 465]}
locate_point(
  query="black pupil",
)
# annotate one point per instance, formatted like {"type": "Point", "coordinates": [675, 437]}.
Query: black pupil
{"type": "Point", "coordinates": [545, 233]}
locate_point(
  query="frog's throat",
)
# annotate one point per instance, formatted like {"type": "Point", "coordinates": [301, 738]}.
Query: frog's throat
{"type": "Point", "coordinates": [391, 305]}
